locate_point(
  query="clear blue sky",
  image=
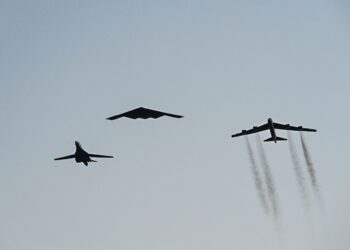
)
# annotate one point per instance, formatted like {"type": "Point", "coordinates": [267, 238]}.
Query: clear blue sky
{"type": "Point", "coordinates": [174, 184]}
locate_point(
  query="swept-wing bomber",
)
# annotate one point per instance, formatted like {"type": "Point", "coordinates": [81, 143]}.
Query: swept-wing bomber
{"type": "Point", "coordinates": [272, 126]}
{"type": "Point", "coordinates": [143, 113]}
{"type": "Point", "coordinates": [82, 156]}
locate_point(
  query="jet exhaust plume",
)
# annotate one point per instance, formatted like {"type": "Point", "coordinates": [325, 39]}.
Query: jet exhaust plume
{"type": "Point", "coordinates": [298, 171]}
{"type": "Point", "coordinates": [268, 178]}
{"type": "Point", "coordinates": [257, 177]}
{"type": "Point", "coordinates": [310, 168]}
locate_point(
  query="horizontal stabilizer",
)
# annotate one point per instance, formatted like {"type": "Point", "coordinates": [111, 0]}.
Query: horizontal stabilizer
{"type": "Point", "coordinates": [277, 139]}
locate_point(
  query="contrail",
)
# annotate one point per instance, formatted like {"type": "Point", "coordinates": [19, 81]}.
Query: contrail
{"type": "Point", "coordinates": [268, 178]}
{"type": "Point", "coordinates": [257, 177]}
{"type": "Point", "coordinates": [310, 168]}
{"type": "Point", "coordinates": [298, 171]}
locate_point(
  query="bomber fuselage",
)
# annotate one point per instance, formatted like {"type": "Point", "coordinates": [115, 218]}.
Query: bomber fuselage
{"type": "Point", "coordinates": [81, 155]}
{"type": "Point", "coordinates": [272, 129]}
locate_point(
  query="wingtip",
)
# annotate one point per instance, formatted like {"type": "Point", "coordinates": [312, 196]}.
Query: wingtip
{"type": "Point", "coordinates": [174, 116]}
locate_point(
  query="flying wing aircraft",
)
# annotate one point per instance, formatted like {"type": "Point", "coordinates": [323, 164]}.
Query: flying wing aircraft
{"type": "Point", "coordinates": [82, 156]}
{"type": "Point", "coordinates": [143, 113]}
{"type": "Point", "coordinates": [272, 126]}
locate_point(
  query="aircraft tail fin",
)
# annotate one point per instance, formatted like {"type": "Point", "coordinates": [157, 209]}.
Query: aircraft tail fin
{"type": "Point", "coordinates": [277, 139]}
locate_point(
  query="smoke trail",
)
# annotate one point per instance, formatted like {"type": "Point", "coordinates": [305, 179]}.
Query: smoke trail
{"type": "Point", "coordinates": [298, 171]}
{"type": "Point", "coordinates": [257, 177]}
{"type": "Point", "coordinates": [310, 168]}
{"type": "Point", "coordinates": [268, 178]}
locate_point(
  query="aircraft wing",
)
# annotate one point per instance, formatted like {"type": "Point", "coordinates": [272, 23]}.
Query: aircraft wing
{"type": "Point", "coordinates": [65, 157]}
{"type": "Point", "coordinates": [143, 113]}
{"type": "Point", "coordinates": [100, 156]}
{"type": "Point", "coordinates": [253, 130]}
{"type": "Point", "coordinates": [293, 128]}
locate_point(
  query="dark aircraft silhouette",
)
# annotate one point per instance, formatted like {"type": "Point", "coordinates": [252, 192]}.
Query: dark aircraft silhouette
{"type": "Point", "coordinates": [143, 113]}
{"type": "Point", "coordinates": [82, 156]}
{"type": "Point", "coordinates": [272, 126]}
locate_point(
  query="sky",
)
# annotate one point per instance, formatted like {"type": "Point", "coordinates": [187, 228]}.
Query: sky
{"type": "Point", "coordinates": [174, 183]}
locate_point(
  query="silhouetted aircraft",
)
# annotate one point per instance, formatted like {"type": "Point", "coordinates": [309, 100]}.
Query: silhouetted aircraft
{"type": "Point", "coordinates": [143, 113]}
{"type": "Point", "coordinates": [82, 156]}
{"type": "Point", "coordinates": [272, 126]}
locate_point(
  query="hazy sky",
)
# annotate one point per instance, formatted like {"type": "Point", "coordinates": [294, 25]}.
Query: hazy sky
{"type": "Point", "coordinates": [174, 183]}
